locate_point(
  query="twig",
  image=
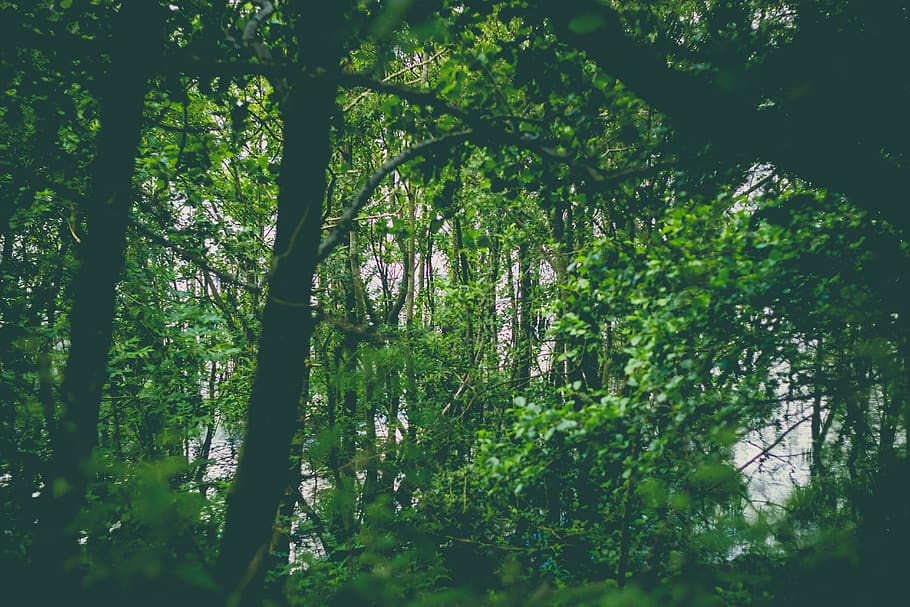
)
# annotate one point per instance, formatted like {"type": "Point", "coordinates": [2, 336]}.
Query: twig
{"type": "Point", "coordinates": [764, 452]}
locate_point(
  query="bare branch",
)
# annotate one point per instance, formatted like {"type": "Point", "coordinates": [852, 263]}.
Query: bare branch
{"type": "Point", "coordinates": [767, 450]}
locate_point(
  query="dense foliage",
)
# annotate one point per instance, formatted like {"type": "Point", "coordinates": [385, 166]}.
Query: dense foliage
{"type": "Point", "coordinates": [454, 302]}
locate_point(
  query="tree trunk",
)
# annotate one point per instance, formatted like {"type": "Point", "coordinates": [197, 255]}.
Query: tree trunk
{"type": "Point", "coordinates": [136, 45]}
{"type": "Point", "coordinates": [525, 323]}
{"type": "Point", "coordinates": [287, 324]}
{"type": "Point", "coordinates": [817, 466]}
{"type": "Point", "coordinates": [281, 542]}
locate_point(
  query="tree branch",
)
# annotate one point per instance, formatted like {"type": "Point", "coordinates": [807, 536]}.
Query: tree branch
{"type": "Point", "coordinates": [252, 27]}
{"type": "Point", "coordinates": [361, 332]}
{"type": "Point", "coordinates": [195, 258]}
{"type": "Point", "coordinates": [767, 450]}
{"type": "Point", "coordinates": [485, 132]}
{"type": "Point", "coordinates": [394, 75]}
{"type": "Point", "coordinates": [346, 220]}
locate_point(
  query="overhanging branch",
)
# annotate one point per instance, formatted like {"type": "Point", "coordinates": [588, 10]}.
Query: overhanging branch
{"type": "Point", "coordinates": [346, 220]}
{"type": "Point", "coordinates": [486, 133]}
{"type": "Point", "coordinates": [732, 120]}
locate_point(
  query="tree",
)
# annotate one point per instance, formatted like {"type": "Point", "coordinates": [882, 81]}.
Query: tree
{"type": "Point", "coordinates": [106, 207]}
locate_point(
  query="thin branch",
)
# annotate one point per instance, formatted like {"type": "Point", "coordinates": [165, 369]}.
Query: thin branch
{"type": "Point", "coordinates": [394, 75]}
{"type": "Point", "coordinates": [504, 547]}
{"type": "Point", "coordinates": [252, 27]}
{"type": "Point", "coordinates": [485, 132]}
{"type": "Point", "coordinates": [332, 221]}
{"type": "Point", "coordinates": [409, 94]}
{"type": "Point", "coordinates": [767, 450]}
{"type": "Point", "coordinates": [314, 517]}
{"type": "Point", "coordinates": [346, 220]}
{"type": "Point", "coordinates": [758, 184]}
{"type": "Point", "coordinates": [361, 332]}
{"type": "Point", "coordinates": [195, 258]}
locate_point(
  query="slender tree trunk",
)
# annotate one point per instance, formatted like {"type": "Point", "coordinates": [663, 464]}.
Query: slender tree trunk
{"type": "Point", "coordinates": [513, 308]}
{"type": "Point", "coordinates": [904, 365]}
{"type": "Point", "coordinates": [287, 322]}
{"type": "Point", "coordinates": [411, 259]}
{"type": "Point", "coordinates": [332, 397]}
{"type": "Point", "coordinates": [487, 354]}
{"type": "Point", "coordinates": [415, 287]}
{"type": "Point", "coordinates": [461, 275]}
{"type": "Point", "coordinates": [371, 372]}
{"type": "Point", "coordinates": [359, 292]}
{"type": "Point", "coordinates": [428, 259]}
{"type": "Point", "coordinates": [817, 467]}
{"type": "Point", "coordinates": [888, 429]}
{"type": "Point", "coordinates": [135, 48]}
{"type": "Point", "coordinates": [625, 536]}
{"type": "Point", "coordinates": [390, 456]}
{"type": "Point", "coordinates": [346, 489]}
{"type": "Point", "coordinates": [525, 323]}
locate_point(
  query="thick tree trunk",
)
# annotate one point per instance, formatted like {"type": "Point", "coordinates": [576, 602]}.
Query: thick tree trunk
{"type": "Point", "coordinates": [135, 48]}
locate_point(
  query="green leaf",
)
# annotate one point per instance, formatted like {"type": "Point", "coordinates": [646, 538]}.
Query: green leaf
{"type": "Point", "coordinates": [585, 24]}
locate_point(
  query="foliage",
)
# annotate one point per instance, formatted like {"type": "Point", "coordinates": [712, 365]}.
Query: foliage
{"type": "Point", "coordinates": [575, 303]}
